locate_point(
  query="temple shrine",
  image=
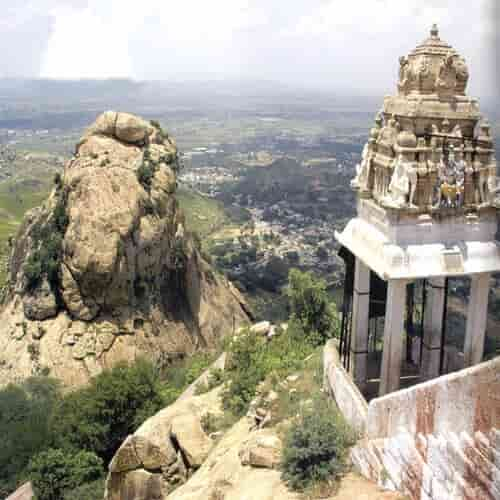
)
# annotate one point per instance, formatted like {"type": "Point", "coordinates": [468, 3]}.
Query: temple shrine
{"type": "Point", "coordinates": [428, 198]}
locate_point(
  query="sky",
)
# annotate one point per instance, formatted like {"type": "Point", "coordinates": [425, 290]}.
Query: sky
{"type": "Point", "coordinates": [341, 45]}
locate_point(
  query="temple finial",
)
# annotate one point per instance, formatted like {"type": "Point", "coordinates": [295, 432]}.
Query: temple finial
{"type": "Point", "coordinates": [435, 31]}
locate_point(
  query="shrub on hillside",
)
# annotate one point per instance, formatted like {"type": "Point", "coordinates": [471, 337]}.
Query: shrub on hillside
{"type": "Point", "coordinates": [315, 447]}
{"type": "Point", "coordinates": [145, 174]}
{"type": "Point", "coordinates": [24, 426]}
{"type": "Point", "coordinates": [93, 490]}
{"type": "Point", "coordinates": [55, 472]}
{"type": "Point", "coordinates": [45, 259]}
{"type": "Point", "coordinates": [99, 417]}
{"type": "Point", "coordinates": [251, 358]}
{"type": "Point", "coordinates": [312, 306]}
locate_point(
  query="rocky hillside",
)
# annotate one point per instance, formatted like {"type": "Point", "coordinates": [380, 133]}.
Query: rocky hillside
{"type": "Point", "coordinates": [191, 451]}
{"type": "Point", "coordinates": [105, 270]}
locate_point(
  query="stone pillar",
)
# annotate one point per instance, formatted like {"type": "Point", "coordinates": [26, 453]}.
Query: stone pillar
{"type": "Point", "coordinates": [393, 337]}
{"type": "Point", "coordinates": [360, 320]}
{"type": "Point", "coordinates": [433, 328]}
{"type": "Point", "coordinates": [477, 315]}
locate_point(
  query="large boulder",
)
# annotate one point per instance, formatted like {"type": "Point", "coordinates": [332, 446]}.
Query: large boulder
{"type": "Point", "coordinates": [126, 277]}
{"type": "Point", "coordinates": [187, 433]}
{"type": "Point", "coordinates": [263, 449]}
{"type": "Point", "coordinates": [171, 443]}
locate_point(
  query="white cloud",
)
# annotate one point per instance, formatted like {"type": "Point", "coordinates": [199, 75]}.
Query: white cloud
{"type": "Point", "coordinates": [335, 44]}
{"type": "Point", "coordinates": [84, 44]}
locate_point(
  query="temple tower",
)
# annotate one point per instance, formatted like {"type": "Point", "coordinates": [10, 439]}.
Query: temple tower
{"type": "Point", "coordinates": [427, 205]}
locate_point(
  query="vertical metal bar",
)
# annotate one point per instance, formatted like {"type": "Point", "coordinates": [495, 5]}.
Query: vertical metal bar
{"type": "Point", "coordinates": [349, 340]}
{"type": "Point", "coordinates": [342, 326]}
{"type": "Point", "coordinates": [443, 328]}
{"type": "Point", "coordinates": [424, 302]}
{"type": "Point", "coordinates": [410, 311]}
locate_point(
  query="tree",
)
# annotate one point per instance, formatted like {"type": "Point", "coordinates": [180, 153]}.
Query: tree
{"type": "Point", "coordinates": [54, 471]}
{"type": "Point", "coordinates": [311, 305]}
{"type": "Point", "coordinates": [24, 426]}
{"type": "Point", "coordinates": [99, 417]}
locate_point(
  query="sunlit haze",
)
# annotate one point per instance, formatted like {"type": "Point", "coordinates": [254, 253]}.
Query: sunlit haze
{"type": "Point", "coordinates": [330, 44]}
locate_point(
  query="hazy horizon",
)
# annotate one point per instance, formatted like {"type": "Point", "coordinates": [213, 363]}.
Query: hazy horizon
{"type": "Point", "coordinates": [322, 45]}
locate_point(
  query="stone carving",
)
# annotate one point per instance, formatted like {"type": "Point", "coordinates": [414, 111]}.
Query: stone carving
{"type": "Point", "coordinates": [406, 163]}
{"type": "Point", "coordinates": [425, 77]}
{"type": "Point", "coordinates": [457, 131]}
{"type": "Point", "coordinates": [451, 182]}
{"type": "Point", "coordinates": [462, 75]}
{"type": "Point", "coordinates": [362, 170]}
{"type": "Point", "coordinates": [447, 76]}
{"type": "Point", "coordinates": [403, 183]}
{"type": "Point", "coordinates": [404, 74]}
{"type": "Point", "coordinates": [445, 127]}
{"type": "Point", "coordinates": [482, 179]}
{"type": "Point", "coordinates": [493, 185]}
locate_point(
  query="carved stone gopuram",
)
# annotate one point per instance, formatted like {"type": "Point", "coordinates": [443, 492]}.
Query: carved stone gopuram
{"type": "Point", "coordinates": [428, 199]}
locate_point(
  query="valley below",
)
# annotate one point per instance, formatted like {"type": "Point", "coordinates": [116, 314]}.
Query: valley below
{"type": "Point", "coordinates": [232, 225]}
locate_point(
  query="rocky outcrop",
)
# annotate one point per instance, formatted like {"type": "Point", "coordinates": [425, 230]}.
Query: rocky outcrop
{"type": "Point", "coordinates": [25, 492]}
{"type": "Point", "coordinates": [106, 268]}
{"type": "Point", "coordinates": [164, 451]}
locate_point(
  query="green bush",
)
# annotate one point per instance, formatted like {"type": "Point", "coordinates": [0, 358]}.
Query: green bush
{"type": "Point", "coordinates": [315, 447]}
{"type": "Point", "coordinates": [157, 126]}
{"type": "Point", "coordinates": [146, 171]}
{"type": "Point", "coordinates": [87, 491]}
{"type": "Point", "coordinates": [312, 306]}
{"type": "Point", "coordinates": [179, 375]}
{"type": "Point", "coordinates": [99, 417]}
{"type": "Point", "coordinates": [54, 472]}
{"type": "Point", "coordinates": [24, 426]}
{"type": "Point", "coordinates": [45, 260]}
{"type": "Point", "coordinates": [145, 174]}
{"type": "Point", "coordinates": [251, 358]}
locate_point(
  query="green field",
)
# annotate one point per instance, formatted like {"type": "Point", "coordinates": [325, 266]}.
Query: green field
{"type": "Point", "coordinates": [16, 198]}
{"type": "Point", "coordinates": [203, 215]}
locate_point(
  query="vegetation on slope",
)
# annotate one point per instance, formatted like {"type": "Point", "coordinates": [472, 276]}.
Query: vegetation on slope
{"type": "Point", "coordinates": [63, 442]}
{"type": "Point", "coordinates": [16, 198]}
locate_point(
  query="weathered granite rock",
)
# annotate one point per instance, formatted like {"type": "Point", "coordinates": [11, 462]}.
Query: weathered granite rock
{"type": "Point", "coordinates": [263, 449]}
{"type": "Point", "coordinates": [261, 328]}
{"type": "Point", "coordinates": [41, 304]}
{"type": "Point", "coordinates": [138, 452]}
{"type": "Point", "coordinates": [195, 445]}
{"type": "Point", "coordinates": [140, 485]}
{"type": "Point", "coordinates": [126, 261]}
{"type": "Point", "coordinates": [153, 447]}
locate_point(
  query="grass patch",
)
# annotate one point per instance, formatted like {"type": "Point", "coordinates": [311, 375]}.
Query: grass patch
{"type": "Point", "coordinates": [204, 215]}
{"type": "Point", "coordinates": [16, 198]}
{"type": "Point", "coordinates": [178, 375]}
{"type": "Point", "coordinates": [252, 358]}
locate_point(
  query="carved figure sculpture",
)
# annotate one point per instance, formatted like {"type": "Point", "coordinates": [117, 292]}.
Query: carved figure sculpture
{"type": "Point", "coordinates": [462, 75]}
{"type": "Point", "coordinates": [493, 185]}
{"type": "Point", "coordinates": [457, 132]}
{"type": "Point", "coordinates": [445, 127]}
{"type": "Point", "coordinates": [459, 168]}
{"type": "Point", "coordinates": [404, 74]}
{"type": "Point", "coordinates": [447, 76]}
{"type": "Point", "coordinates": [403, 183]}
{"type": "Point", "coordinates": [362, 170]}
{"type": "Point", "coordinates": [425, 74]}
{"type": "Point", "coordinates": [482, 174]}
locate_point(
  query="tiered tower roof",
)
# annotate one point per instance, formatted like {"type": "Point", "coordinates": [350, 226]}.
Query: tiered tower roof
{"type": "Point", "coordinates": [428, 175]}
